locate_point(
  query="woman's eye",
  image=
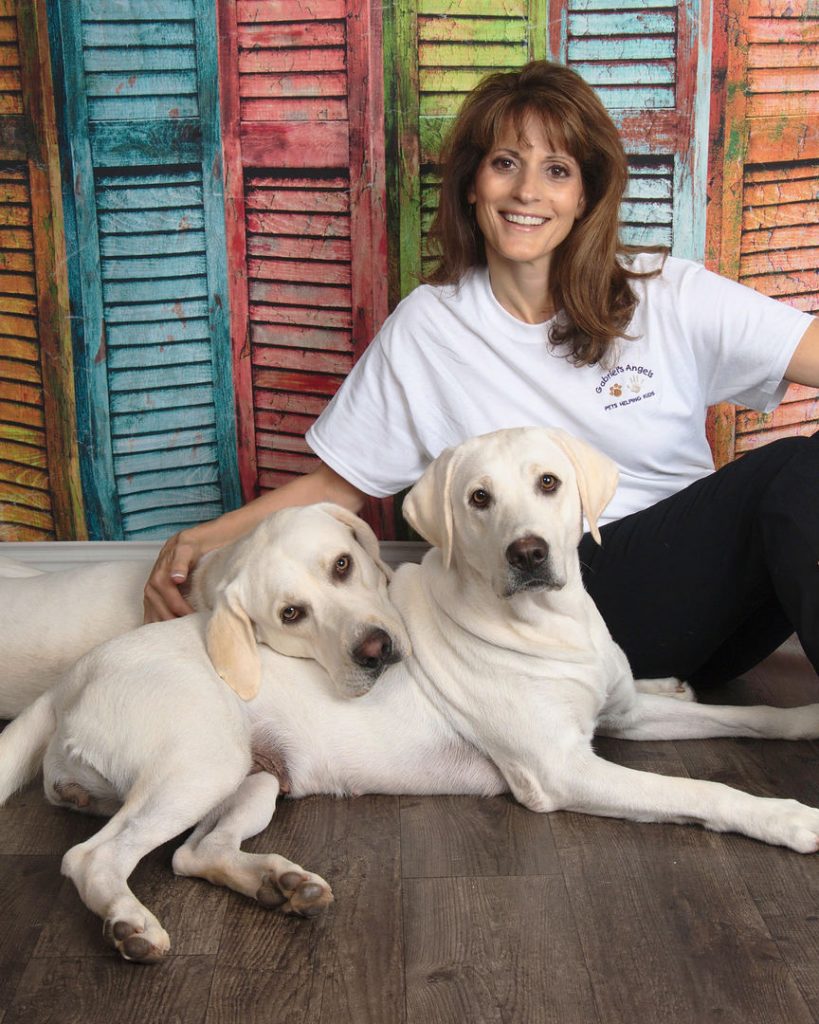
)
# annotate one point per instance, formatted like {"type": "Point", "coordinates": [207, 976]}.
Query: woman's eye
{"type": "Point", "coordinates": [502, 163]}
{"type": "Point", "coordinates": [292, 613]}
{"type": "Point", "coordinates": [559, 171]}
{"type": "Point", "coordinates": [548, 482]}
{"type": "Point", "coordinates": [479, 498]}
{"type": "Point", "coordinates": [342, 566]}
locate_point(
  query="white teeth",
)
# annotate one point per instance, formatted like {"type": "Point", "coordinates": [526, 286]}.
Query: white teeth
{"type": "Point", "coordinates": [520, 218]}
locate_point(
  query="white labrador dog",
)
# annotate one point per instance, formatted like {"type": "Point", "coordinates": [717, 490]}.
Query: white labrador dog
{"type": "Point", "coordinates": [511, 672]}
{"type": "Point", "coordinates": [325, 558]}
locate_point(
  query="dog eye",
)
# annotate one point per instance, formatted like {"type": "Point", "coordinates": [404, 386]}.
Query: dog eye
{"type": "Point", "coordinates": [292, 613]}
{"type": "Point", "coordinates": [480, 498]}
{"type": "Point", "coordinates": [342, 566]}
{"type": "Point", "coordinates": [549, 482]}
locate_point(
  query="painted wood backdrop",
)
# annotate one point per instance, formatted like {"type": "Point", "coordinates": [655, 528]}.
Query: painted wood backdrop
{"type": "Point", "coordinates": [207, 207]}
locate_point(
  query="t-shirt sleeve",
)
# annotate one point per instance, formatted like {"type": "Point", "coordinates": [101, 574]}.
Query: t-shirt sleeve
{"type": "Point", "coordinates": [742, 340]}
{"type": "Point", "coordinates": [367, 433]}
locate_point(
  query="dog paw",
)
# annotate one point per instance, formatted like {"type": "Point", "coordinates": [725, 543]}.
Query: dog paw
{"type": "Point", "coordinates": [295, 892]}
{"type": "Point", "coordinates": [142, 944]}
{"type": "Point", "coordinates": [669, 687]}
{"type": "Point", "coordinates": [795, 825]}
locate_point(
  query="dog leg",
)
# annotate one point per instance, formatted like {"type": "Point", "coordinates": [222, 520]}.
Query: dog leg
{"type": "Point", "coordinates": [594, 786]}
{"type": "Point", "coordinates": [668, 687]}
{"type": "Point", "coordinates": [212, 852]}
{"type": "Point", "coordinates": [652, 717]}
{"type": "Point", "coordinates": [155, 811]}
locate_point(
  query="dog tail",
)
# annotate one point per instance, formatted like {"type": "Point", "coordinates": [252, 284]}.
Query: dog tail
{"type": "Point", "coordinates": [23, 743]}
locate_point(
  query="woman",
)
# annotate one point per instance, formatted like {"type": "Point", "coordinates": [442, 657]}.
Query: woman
{"type": "Point", "coordinates": [537, 315]}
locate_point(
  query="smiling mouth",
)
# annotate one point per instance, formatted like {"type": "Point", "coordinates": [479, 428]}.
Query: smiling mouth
{"type": "Point", "coordinates": [525, 219]}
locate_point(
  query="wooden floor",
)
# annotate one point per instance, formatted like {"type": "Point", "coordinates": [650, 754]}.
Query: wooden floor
{"type": "Point", "coordinates": [451, 910]}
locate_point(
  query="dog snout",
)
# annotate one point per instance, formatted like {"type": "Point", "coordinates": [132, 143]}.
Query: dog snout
{"type": "Point", "coordinates": [527, 554]}
{"type": "Point", "coordinates": [374, 651]}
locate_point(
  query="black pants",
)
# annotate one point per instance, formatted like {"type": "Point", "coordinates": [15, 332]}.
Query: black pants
{"type": "Point", "coordinates": [705, 584]}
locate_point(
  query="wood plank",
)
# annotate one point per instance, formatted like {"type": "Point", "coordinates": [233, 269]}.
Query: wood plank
{"type": "Point", "coordinates": [780, 238]}
{"type": "Point", "coordinates": [781, 283]}
{"type": "Point", "coordinates": [325, 144]}
{"type": "Point", "coordinates": [277, 402]}
{"type": "Point", "coordinates": [293, 33]}
{"type": "Point", "coordinates": [492, 950]}
{"type": "Point", "coordinates": [290, 86]}
{"type": "Point", "coordinates": [471, 836]}
{"type": "Point", "coordinates": [297, 359]}
{"type": "Point", "coordinates": [782, 30]}
{"type": "Point", "coordinates": [337, 272]}
{"type": "Point", "coordinates": [27, 415]}
{"type": "Point", "coordinates": [292, 248]}
{"type": "Point", "coordinates": [298, 200]}
{"type": "Point", "coordinates": [354, 844]}
{"type": "Point", "coordinates": [760, 437]}
{"type": "Point", "coordinates": [288, 10]}
{"type": "Point", "coordinates": [778, 9]}
{"type": "Point", "coordinates": [300, 294]}
{"type": "Point", "coordinates": [287, 380]}
{"type": "Point", "coordinates": [296, 109]}
{"type": "Point", "coordinates": [299, 336]}
{"type": "Point", "coordinates": [787, 415]}
{"type": "Point", "coordinates": [470, 30]}
{"type": "Point", "coordinates": [762, 105]}
{"type": "Point", "coordinates": [257, 61]}
{"type": "Point", "coordinates": [303, 225]}
{"type": "Point", "coordinates": [775, 192]}
{"type": "Point", "coordinates": [801, 79]}
{"type": "Point", "coordinates": [778, 261]}
{"type": "Point", "coordinates": [646, 974]}
{"type": "Point", "coordinates": [795, 55]}
{"type": "Point", "coordinates": [778, 216]}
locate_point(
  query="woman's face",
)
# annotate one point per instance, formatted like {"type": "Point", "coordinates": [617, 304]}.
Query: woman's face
{"type": "Point", "coordinates": [527, 197]}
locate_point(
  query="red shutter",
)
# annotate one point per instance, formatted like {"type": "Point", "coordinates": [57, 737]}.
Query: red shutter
{"type": "Point", "coordinates": [764, 217]}
{"type": "Point", "coordinates": [302, 113]}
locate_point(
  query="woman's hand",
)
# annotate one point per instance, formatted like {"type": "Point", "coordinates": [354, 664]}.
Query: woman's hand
{"type": "Point", "coordinates": [164, 592]}
{"type": "Point", "coordinates": [164, 596]}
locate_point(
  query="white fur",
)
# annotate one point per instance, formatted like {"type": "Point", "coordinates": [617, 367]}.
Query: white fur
{"type": "Point", "coordinates": [49, 620]}
{"type": "Point", "coordinates": [511, 671]}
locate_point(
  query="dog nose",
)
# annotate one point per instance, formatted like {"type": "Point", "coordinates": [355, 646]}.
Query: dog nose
{"type": "Point", "coordinates": [527, 553]}
{"type": "Point", "coordinates": [374, 650]}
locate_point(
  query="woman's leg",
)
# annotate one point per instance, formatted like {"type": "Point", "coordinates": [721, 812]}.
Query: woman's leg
{"type": "Point", "coordinates": [708, 582]}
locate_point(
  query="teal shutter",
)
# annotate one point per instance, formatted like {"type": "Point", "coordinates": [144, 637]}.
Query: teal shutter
{"type": "Point", "coordinates": [650, 64]}
{"type": "Point", "coordinates": [148, 279]}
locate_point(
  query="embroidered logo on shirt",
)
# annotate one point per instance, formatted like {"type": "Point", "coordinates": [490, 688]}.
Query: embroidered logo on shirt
{"type": "Point", "coordinates": [626, 385]}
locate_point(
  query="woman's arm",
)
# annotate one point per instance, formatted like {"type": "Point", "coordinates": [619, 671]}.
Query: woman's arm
{"type": "Point", "coordinates": [180, 553]}
{"type": "Point", "coordinates": [804, 365]}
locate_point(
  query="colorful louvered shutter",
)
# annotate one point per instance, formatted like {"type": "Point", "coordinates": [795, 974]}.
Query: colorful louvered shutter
{"type": "Point", "coordinates": [764, 216]}
{"type": "Point", "coordinates": [143, 154]}
{"type": "Point", "coordinates": [302, 110]}
{"type": "Point", "coordinates": [439, 51]}
{"type": "Point", "coordinates": [650, 64]}
{"type": "Point", "coordinates": [39, 473]}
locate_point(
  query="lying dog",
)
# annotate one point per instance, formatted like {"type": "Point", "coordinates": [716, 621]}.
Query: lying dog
{"type": "Point", "coordinates": [326, 559]}
{"type": "Point", "coordinates": [511, 671]}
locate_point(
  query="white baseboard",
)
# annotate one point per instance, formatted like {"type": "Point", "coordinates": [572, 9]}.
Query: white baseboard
{"type": "Point", "coordinates": [50, 556]}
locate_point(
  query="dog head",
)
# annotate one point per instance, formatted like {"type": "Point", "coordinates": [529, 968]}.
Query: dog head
{"type": "Point", "coordinates": [510, 505]}
{"type": "Point", "coordinates": [309, 583]}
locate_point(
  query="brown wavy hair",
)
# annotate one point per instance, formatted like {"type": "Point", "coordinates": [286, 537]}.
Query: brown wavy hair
{"type": "Point", "coordinates": [588, 283]}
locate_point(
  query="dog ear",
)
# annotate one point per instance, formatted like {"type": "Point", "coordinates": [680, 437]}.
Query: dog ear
{"type": "Point", "coordinates": [428, 506]}
{"type": "Point", "coordinates": [231, 646]}
{"type": "Point", "coordinates": [362, 532]}
{"type": "Point", "coordinates": [596, 473]}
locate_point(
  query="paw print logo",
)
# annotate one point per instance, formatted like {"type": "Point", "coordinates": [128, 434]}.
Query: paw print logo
{"type": "Point", "coordinates": [635, 385]}
{"type": "Point", "coordinates": [616, 390]}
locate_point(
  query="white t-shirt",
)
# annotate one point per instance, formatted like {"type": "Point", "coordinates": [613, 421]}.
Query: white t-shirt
{"type": "Point", "coordinates": [450, 363]}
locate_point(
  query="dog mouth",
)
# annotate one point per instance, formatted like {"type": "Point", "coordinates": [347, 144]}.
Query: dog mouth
{"type": "Point", "coordinates": [518, 582]}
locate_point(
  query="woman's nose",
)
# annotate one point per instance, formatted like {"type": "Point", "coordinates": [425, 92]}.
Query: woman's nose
{"type": "Point", "coordinates": [527, 185]}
